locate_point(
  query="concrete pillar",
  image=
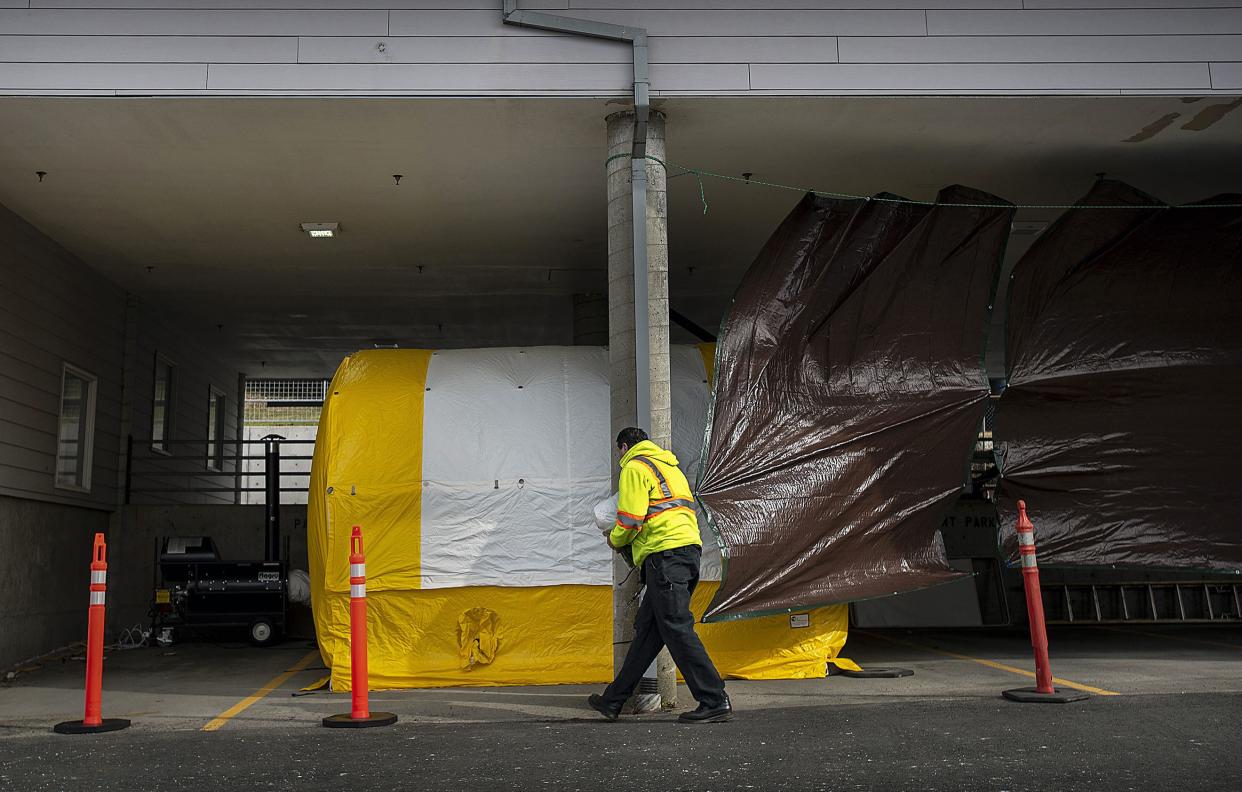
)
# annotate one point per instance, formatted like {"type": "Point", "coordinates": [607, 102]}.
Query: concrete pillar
{"type": "Point", "coordinates": [590, 320]}
{"type": "Point", "coordinates": [621, 346]}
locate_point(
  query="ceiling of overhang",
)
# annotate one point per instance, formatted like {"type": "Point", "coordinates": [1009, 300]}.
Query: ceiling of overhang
{"type": "Point", "coordinates": [194, 204]}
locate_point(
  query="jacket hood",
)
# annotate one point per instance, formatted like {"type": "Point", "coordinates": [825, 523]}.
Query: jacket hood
{"type": "Point", "coordinates": [649, 449]}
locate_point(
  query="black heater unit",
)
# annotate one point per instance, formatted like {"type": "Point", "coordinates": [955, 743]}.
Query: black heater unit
{"type": "Point", "coordinates": [195, 588]}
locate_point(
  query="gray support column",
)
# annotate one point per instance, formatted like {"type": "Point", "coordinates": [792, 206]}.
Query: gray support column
{"type": "Point", "coordinates": [622, 354]}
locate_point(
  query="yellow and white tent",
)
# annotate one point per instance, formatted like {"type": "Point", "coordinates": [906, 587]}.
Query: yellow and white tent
{"type": "Point", "coordinates": [473, 474]}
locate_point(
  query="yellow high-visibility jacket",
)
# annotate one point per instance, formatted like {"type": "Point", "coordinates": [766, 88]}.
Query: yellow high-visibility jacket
{"type": "Point", "coordinates": [655, 508]}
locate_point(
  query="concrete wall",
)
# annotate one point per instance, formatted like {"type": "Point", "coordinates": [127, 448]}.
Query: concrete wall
{"type": "Point", "coordinates": [45, 552]}
{"type": "Point", "coordinates": [254, 478]}
{"type": "Point", "coordinates": [705, 47]}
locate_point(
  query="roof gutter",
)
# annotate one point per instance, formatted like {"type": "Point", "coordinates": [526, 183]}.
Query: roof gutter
{"type": "Point", "coordinates": [636, 37]}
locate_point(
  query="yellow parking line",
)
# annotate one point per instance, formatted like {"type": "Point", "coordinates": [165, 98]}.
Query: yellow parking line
{"type": "Point", "coordinates": [241, 706]}
{"type": "Point", "coordinates": [998, 666]}
{"type": "Point", "coordinates": [1170, 637]}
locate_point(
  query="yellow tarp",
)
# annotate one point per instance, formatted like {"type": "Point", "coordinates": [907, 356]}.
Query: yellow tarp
{"type": "Point", "coordinates": [553, 635]}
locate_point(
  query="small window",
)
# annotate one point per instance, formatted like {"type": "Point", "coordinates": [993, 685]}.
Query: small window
{"type": "Point", "coordinates": [163, 404]}
{"type": "Point", "coordinates": [75, 435]}
{"type": "Point", "coordinates": [215, 429]}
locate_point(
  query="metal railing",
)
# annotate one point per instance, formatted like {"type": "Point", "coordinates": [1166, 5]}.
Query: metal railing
{"type": "Point", "coordinates": [184, 469]}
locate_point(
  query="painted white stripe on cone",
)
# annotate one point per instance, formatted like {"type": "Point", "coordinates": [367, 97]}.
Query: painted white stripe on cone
{"type": "Point", "coordinates": [357, 570]}
{"type": "Point", "coordinates": [358, 590]}
{"type": "Point", "coordinates": [97, 597]}
{"type": "Point", "coordinates": [1028, 560]}
{"type": "Point", "coordinates": [1026, 537]}
{"type": "Point", "coordinates": [99, 577]}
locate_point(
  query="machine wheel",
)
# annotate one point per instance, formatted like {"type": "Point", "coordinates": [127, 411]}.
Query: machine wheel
{"type": "Point", "coordinates": [262, 632]}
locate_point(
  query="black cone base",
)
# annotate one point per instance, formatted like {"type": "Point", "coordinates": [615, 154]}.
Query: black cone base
{"type": "Point", "coordinates": [873, 673]}
{"type": "Point", "coordinates": [344, 721]}
{"type": "Point", "coordinates": [78, 727]}
{"type": "Point", "coordinates": [1030, 695]}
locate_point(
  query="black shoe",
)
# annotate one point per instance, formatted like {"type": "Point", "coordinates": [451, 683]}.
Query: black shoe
{"type": "Point", "coordinates": [597, 703]}
{"type": "Point", "coordinates": [706, 714]}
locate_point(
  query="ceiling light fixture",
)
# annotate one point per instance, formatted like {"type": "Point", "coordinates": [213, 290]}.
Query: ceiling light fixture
{"type": "Point", "coordinates": [321, 230]}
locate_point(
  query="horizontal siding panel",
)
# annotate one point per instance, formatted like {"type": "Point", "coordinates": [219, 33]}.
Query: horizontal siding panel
{"type": "Point", "coordinates": [101, 76]}
{"type": "Point", "coordinates": [87, 335]}
{"type": "Point", "coordinates": [43, 420]}
{"type": "Point", "coordinates": [149, 49]}
{"type": "Point", "coordinates": [465, 78]}
{"type": "Point", "coordinates": [34, 375]}
{"type": "Point", "coordinates": [563, 49]}
{"type": "Point", "coordinates": [83, 350]}
{"type": "Point", "coordinates": [67, 303]}
{"type": "Point", "coordinates": [107, 411]}
{"type": "Point", "coordinates": [50, 360]}
{"type": "Point", "coordinates": [462, 49]}
{"type": "Point", "coordinates": [688, 77]}
{"type": "Point", "coordinates": [1071, 4]}
{"type": "Point", "coordinates": [44, 459]}
{"type": "Point", "coordinates": [681, 23]}
{"type": "Point", "coordinates": [300, 4]}
{"type": "Point", "coordinates": [725, 49]}
{"type": "Point", "coordinates": [18, 391]}
{"type": "Point", "coordinates": [40, 462]}
{"type": "Point", "coordinates": [962, 78]}
{"type": "Point", "coordinates": [1227, 76]}
{"type": "Point", "coordinates": [31, 483]}
{"type": "Point", "coordinates": [782, 5]}
{"type": "Point", "coordinates": [161, 22]}
{"type": "Point", "coordinates": [48, 364]}
{"type": "Point", "coordinates": [1085, 23]}
{"type": "Point", "coordinates": [1040, 49]}
{"type": "Point", "coordinates": [103, 500]}
{"type": "Point", "coordinates": [23, 436]}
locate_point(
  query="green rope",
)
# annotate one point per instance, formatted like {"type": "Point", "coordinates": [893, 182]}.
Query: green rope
{"type": "Point", "coordinates": [699, 174]}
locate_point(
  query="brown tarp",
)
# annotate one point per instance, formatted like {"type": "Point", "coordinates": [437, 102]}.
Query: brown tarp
{"type": "Point", "coordinates": [1122, 422]}
{"type": "Point", "coordinates": [849, 392]}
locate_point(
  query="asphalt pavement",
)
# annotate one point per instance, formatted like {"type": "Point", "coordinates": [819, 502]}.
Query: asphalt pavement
{"type": "Point", "coordinates": [1167, 715]}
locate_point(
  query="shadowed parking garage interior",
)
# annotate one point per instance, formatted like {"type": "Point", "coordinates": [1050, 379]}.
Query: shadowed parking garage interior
{"type": "Point", "coordinates": [194, 205]}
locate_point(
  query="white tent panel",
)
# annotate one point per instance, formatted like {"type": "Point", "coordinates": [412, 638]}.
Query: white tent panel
{"type": "Point", "coordinates": [517, 452]}
{"type": "Point", "coordinates": [509, 472]}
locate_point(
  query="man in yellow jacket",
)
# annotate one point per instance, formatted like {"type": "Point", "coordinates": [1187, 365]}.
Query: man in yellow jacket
{"type": "Point", "coordinates": [656, 520]}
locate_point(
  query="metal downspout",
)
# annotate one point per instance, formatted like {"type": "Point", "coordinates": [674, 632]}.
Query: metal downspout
{"type": "Point", "coordinates": [637, 37]}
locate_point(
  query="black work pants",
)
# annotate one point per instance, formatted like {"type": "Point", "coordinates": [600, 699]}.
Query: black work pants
{"type": "Point", "coordinates": [664, 619]}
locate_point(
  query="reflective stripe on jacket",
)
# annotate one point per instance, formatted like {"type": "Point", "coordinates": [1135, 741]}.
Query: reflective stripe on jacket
{"type": "Point", "coordinates": [655, 507]}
